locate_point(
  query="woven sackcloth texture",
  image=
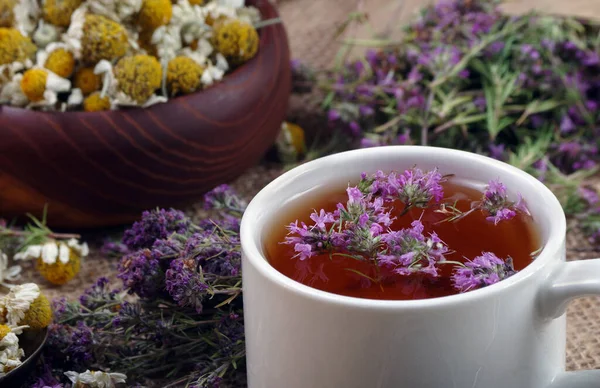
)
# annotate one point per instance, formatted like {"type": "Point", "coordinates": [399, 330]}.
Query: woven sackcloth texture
{"type": "Point", "coordinates": [311, 27]}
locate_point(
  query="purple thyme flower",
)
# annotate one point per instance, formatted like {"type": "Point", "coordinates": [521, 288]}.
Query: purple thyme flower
{"type": "Point", "coordinates": [223, 197]}
{"type": "Point", "coordinates": [497, 151]}
{"type": "Point", "coordinates": [409, 251]}
{"type": "Point", "coordinates": [218, 254]}
{"type": "Point", "coordinates": [483, 271]}
{"type": "Point", "coordinates": [567, 125]}
{"type": "Point", "coordinates": [590, 196]}
{"type": "Point", "coordinates": [142, 274]}
{"type": "Point", "coordinates": [495, 202]}
{"type": "Point", "coordinates": [114, 249]}
{"type": "Point", "coordinates": [185, 284]}
{"type": "Point", "coordinates": [155, 225]}
{"type": "Point", "coordinates": [97, 295]}
{"type": "Point", "coordinates": [415, 187]}
{"type": "Point", "coordinates": [81, 342]}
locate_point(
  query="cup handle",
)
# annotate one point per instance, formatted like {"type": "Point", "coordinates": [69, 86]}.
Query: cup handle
{"type": "Point", "coordinates": [568, 281]}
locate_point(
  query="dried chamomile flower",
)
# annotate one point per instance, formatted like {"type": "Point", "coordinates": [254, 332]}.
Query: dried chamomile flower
{"type": "Point", "coordinates": [95, 102]}
{"type": "Point", "coordinates": [117, 10]}
{"type": "Point", "coordinates": [39, 314]}
{"type": "Point", "coordinates": [197, 2]}
{"type": "Point", "coordinates": [57, 58]}
{"type": "Point", "coordinates": [87, 80]}
{"type": "Point", "coordinates": [95, 379]}
{"type": "Point", "coordinates": [45, 34]}
{"type": "Point", "coordinates": [103, 39]}
{"type": "Point", "coordinates": [15, 304]}
{"type": "Point", "coordinates": [290, 142]}
{"type": "Point", "coordinates": [138, 76]}
{"type": "Point", "coordinates": [236, 40]}
{"type": "Point", "coordinates": [57, 261]}
{"type": "Point", "coordinates": [7, 15]}
{"type": "Point", "coordinates": [184, 75]}
{"type": "Point", "coordinates": [155, 13]}
{"type": "Point", "coordinates": [59, 12]}
{"type": "Point", "coordinates": [14, 47]}
{"type": "Point", "coordinates": [10, 353]}
{"type": "Point", "coordinates": [41, 86]}
{"type": "Point", "coordinates": [95, 37]}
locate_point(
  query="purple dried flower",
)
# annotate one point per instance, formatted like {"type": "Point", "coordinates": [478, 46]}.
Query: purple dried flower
{"type": "Point", "coordinates": [497, 151]}
{"type": "Point", "coordinates": [415, 187]}
{"type": "Point", "coordinates": [495, 202]}
{"type": "Point", "coordinates": [567, 125]}
{"type": "Point", "coordinates": [223, 197]}
{"type": "Point", "coordinates": [333, 115]}
{"type": "Point", "coordinates": [114, 249]}
{"type": "Point", "coordinates": [155, 225]}
{"type": "Point", "coordinates": [46, 380]}
{"type": "Point", "coordinates": [483, 271]}
{"type": "Point", "coordinates": [590, 196]}
{"type": "Point", "coordinates": [142, 274]}
{"type": "Point", "coordinates": [185, 284]}
{"type": "Point", "coordinates": [308, 241]}
{"type": "Point", "coordinates": [81, 342]}
{"type": "Point", "coordinates": [409, 251]}
{"type": "Point", "coordinates": [217, 253]}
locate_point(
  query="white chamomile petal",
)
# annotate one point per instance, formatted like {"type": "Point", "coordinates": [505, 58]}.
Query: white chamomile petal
{"type": "Point", "coordinates": [96, 379]}
{"type": "Point", "coordinates": [222, 62]}
{"type": "Point", "coordinates": [17, 302]}
{"type": "Point", "coordinates": [74, 34]}
{"type": "Point", "coordinates": [26, 14]}
{"type": "Point", "coordinates": [250, 15]}
{"type": "Point", "coordinates": [211, 74]}
{"type": "Point", "coordinates": [45, 34]}
{"type": "Point", "coordinates": [167, 40]}
{"type": "Point", "coordinates": [75, 98]}
{"type": "Point", "coordinates": [10, 353]}
{"type": "Point", "coordinates": [117, 10]}
{"type": "Point", "coordinates": [49, 252]}
{"type": "Point", "coordinates": [230, 3]}
{"type": "Point", "coordinates": [63, 253]}
{"type": "Point", "coordinates": [12, 94]}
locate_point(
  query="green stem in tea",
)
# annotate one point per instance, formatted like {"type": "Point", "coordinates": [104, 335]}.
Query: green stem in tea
{"type": "Point", "coordinates": [362, 274]}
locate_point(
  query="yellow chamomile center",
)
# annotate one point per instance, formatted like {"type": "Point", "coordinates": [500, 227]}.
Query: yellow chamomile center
{"type": "Point", "coordinates": [102, 39]}
{"type": "Point", "coordinates": [33, 84]}
{"type": "Point", "coordinates": [183, 75]}
{"type": "Point", "coordinates": [87, 81]}
{"type": "Point", "coordinates": [61, 62]}
{"type": "Point", "coordinates": [155, 13]}
{"type": "Point", "coordinates": [96, 103]}
{"type": "Point", "coordinates": [39, 314]}
{"type": "Point", "coordinates": [139, 76]}
{"type": "Point", "coordinates": [4, 330]}
{"type": "Point", "coordinates": [15, 47]}
{"type": "Point", "coordinates": [236, 40]}
{"type": "Point", "coordinates": [58, 272]}
{"type": "Point", "coordinates": [58, 12]}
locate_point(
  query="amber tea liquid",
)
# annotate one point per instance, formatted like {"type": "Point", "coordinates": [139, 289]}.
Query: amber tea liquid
{"type": "Point", "coordinates": [468, 238]}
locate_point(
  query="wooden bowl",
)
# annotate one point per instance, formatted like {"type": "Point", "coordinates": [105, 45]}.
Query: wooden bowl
{"type": "Point", "coordinates": [104, 168]}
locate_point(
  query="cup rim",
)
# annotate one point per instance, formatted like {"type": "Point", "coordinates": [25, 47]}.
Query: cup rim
{"type": "Point", "coordinates": [251, 242]}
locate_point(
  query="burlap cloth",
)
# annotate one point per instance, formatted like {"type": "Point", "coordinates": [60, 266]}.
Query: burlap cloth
{"type": "Point", "coordinates": [311, 26]}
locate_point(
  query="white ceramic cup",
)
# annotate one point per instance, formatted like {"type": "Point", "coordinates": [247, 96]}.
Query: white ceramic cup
{"type": "Point", "coordinates": [509, 335]}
